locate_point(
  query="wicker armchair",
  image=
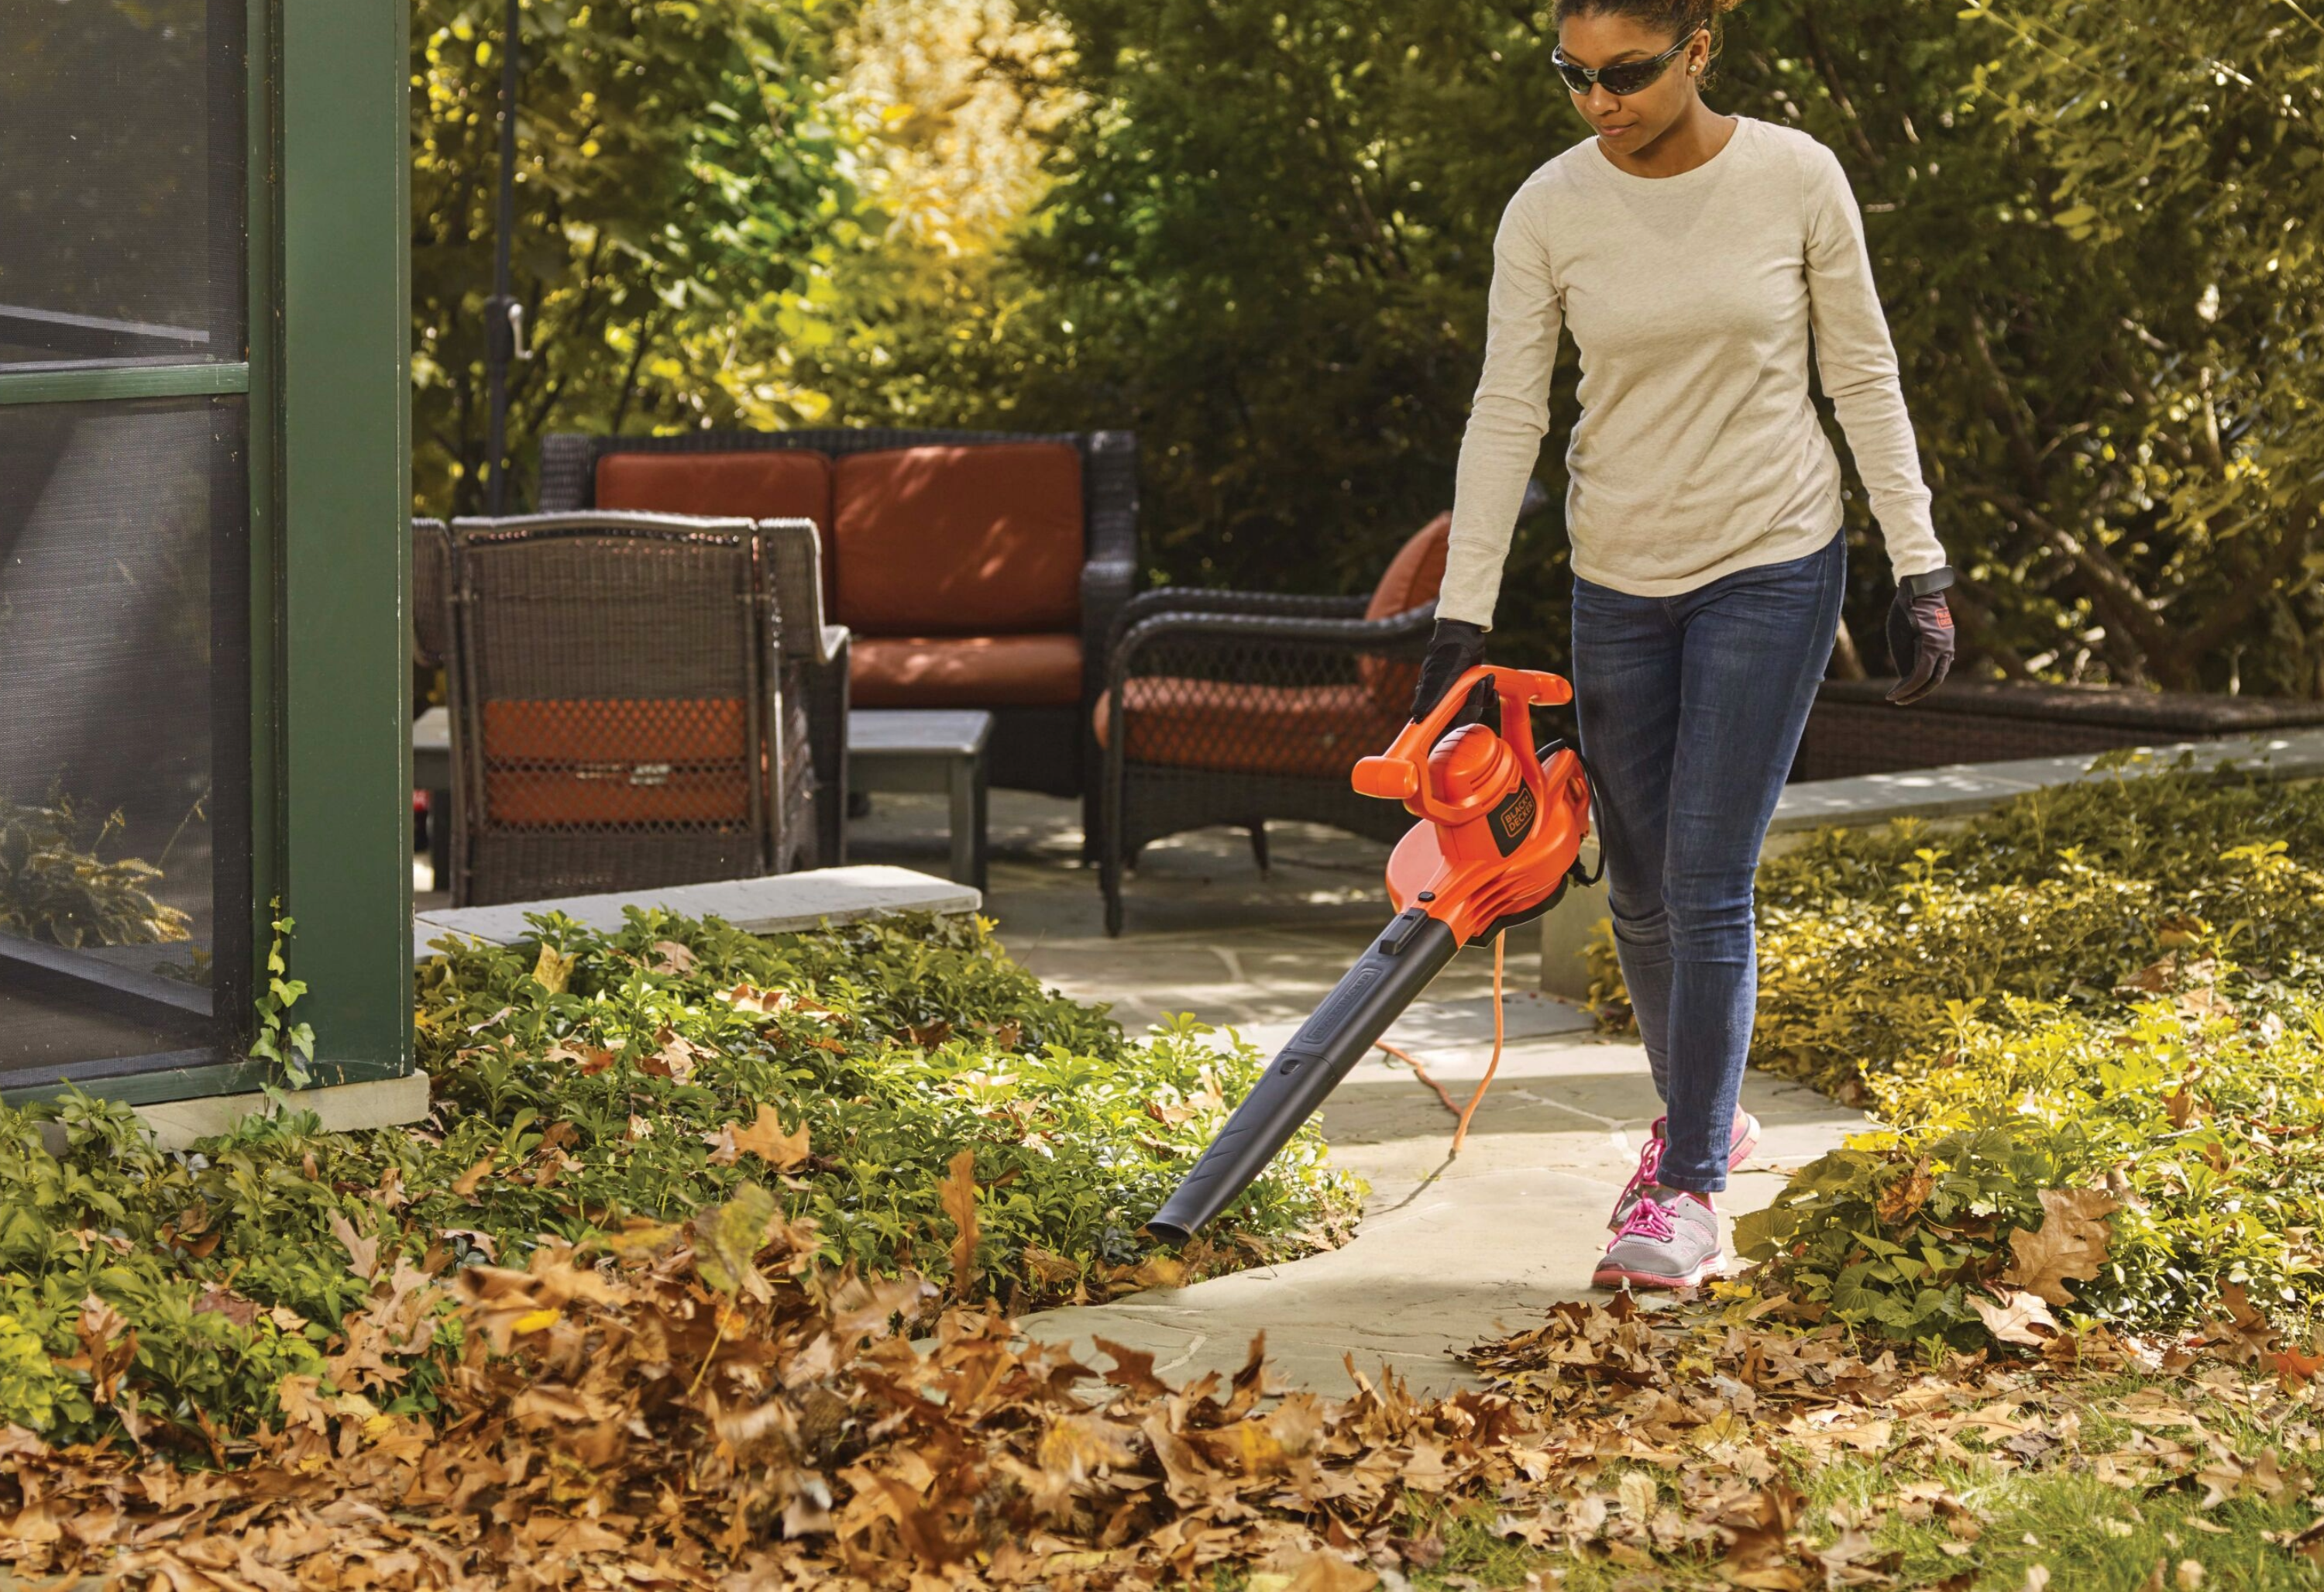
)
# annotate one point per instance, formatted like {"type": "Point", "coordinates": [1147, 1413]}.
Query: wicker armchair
{"type": "Point", "coordinates": [1041, 728]}
{"type": "Point", "coordinates": [624, 712]}
{"type": "Point", "coordinates": [1236, 708]}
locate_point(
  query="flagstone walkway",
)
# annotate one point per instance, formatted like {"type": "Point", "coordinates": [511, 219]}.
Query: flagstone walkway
{"type": "Point", "coordinates": [1449, 1251]}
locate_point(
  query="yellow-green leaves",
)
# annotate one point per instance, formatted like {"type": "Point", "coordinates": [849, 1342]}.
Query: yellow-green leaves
{"type": "Point", "coordinates": [728, 1237]}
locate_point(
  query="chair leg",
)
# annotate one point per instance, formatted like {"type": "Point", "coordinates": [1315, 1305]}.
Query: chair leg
{"type": "Point", "coordinates": [1105, 838]}
{"type": "Point", "coordinates": [1259, 844]}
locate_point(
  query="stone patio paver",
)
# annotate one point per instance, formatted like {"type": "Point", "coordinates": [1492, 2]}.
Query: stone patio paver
{"type": "Point", "coordinates": [1448, 1251]}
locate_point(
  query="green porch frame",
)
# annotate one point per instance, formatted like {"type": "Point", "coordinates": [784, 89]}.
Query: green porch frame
{"type": "Point", "coordinates": [324, 376]}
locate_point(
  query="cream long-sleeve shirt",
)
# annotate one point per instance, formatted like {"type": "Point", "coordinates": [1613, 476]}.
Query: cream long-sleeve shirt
{"type": "Point", "coordinates": [1692, 299]}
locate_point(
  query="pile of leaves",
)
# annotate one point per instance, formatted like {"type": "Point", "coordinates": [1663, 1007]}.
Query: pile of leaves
{"type": "Point", "coordinates": [711, 1405]}
{"type": "Point", "coordinates": [1718, 1446]}
{"type": "Point", "coordinates": [902, 1085]}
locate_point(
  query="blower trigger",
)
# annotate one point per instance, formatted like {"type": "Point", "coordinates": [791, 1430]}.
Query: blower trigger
{"type": "Point", "coordinates": [1482, 707]}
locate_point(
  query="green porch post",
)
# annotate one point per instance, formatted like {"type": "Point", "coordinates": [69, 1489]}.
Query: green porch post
{"type": "Point", "coordinates": [342, 816]}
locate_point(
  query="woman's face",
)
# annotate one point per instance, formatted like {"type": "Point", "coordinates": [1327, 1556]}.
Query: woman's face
{"type": "Point", "coordinates": [1631, 122]}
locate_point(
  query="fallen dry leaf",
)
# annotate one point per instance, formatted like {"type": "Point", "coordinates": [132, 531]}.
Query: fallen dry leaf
{"type": "Point", "coordinates": [2069, 1246]}
{"type": "Point", "coordinates": [958, 1192]}
{"type": "Point", "coordinates": [2017, 1318]}
{"type": "Point", "coordinates": [766, 1139]}
{"type": "Point", "coordinates": [363, 1254]}
{"type": "Point", "coordinates": [552, 970]}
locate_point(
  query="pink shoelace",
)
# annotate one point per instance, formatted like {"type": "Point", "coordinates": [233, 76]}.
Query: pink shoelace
{"type": "Point", "coordinates": [1650, 1161]}
{"type": "Point", "coordinates": [1647, 1219]}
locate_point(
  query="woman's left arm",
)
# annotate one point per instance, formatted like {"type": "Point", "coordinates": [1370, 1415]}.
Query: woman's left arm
{"type": "Point", "coordinates": [1857, 361]}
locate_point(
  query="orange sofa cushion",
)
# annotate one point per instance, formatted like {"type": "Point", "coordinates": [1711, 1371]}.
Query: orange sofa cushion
{"type": "Point", "coordinates": [963, 541]}
{"type": "Point", "coordinates": [576, 763]}
{"type": "Point", "coordinates": [1316, 732]}
{"type": "Point", "coordinates": [1413, 577]}
{"type": "Point", "coordinates": [965, 671]}
{"type": "Point", "coordinates": [769, 483]}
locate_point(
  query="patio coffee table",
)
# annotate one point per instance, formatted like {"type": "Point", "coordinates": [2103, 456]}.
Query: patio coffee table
{"type": "Point", "coordinates": [939, 749]}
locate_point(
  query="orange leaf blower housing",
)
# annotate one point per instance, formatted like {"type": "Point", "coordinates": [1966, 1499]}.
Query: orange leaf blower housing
{"type": "Point", "coordinates": [1500, 835]}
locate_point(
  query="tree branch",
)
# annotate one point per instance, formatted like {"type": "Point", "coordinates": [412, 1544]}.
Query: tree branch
{"type": "Point", "coordinates": [2117, 596]}
{"type": "Point", "coordinates": [1978, 628]}
{"type": "Point", "coordinates": [2002, 398]}
{"type": "Point", "coordinates": [1829, 71]}
{"type": "Point", "coordinates": [2248, 595]}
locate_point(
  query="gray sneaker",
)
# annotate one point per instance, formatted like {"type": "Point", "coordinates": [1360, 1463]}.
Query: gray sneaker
{"type": "Point", "coordinates": [1670, 1239]}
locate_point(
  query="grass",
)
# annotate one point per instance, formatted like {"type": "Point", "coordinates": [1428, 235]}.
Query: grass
{"type": "Point", "coordinates": [2090, 1533]}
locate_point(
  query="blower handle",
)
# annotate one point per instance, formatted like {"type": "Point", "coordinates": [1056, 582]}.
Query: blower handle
{"type": "Point", "coordinates": [1400, 773]}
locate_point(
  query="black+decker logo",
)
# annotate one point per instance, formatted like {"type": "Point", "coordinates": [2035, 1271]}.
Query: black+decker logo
{"type": "Point", "coordinates": [1512, 821]}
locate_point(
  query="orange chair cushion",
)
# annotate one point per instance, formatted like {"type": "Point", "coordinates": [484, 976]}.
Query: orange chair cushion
{"type": "Point", "coordinates": [1413, 576]}
{"type": "Point", "coordinates": [960, 541]}
{"type": "Point", "coordinates": [768, 483]}
{"type": "Point", "coordinates": [965, 671]}
{"type": "Point", "coordinates": [577, 763]}
{"type": "Point", "coordinates": [1312, 730]}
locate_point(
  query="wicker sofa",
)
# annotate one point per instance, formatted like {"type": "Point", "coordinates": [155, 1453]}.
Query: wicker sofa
{"type": "Point", "coordinates": [972, 569]}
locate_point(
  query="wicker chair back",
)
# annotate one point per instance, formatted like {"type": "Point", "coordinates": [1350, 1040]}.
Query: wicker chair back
{"type": "Point", "coordinates": [615, 721]}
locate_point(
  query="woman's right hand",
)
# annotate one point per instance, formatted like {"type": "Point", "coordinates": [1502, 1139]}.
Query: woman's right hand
{"type": "Point", "coordinates": [1454, 647]}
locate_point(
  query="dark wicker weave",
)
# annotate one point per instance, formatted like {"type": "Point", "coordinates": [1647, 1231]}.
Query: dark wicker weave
{"type": "Point", "coordinates": [815, 672]}
{"type": "Point", "coordinates": [1198, 677]}
{"type": "Point", "coordinates": [1852, 731]}
{"type": "Point", "coordinates": [1044, 749]}
{"type": "Point", "coordinates": [577, 637]}
{"type": "Point", "coordinates": [431, 592]}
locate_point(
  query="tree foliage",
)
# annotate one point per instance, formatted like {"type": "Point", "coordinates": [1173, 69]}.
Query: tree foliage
{"type": "Point", "coordinates": [679, 201]}
{"type": "Point", "coordinates": [2095, 230]}
{"type": "Point", "coordinates": [1266, 249]}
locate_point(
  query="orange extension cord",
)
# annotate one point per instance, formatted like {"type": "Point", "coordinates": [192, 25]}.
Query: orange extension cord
{"type": "Point", "coordinates": [1461, 1133]}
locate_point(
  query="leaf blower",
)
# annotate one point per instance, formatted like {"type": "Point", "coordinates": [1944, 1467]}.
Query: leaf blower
{"type": "Point", "coordinates": [1500, 832]}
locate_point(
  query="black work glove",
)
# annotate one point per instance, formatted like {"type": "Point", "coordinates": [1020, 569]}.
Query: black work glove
{"type": "Point", "coordinates": [1454, 647]}
{"type": "Point", "coordinates": [1921, 635]}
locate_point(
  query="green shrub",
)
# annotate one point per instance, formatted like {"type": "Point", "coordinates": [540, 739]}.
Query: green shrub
{"type": "Point", "coordinates": [2205, 1125]}
{"type": "Point", "coordinates": [1866, 939]}
{"type": "Point", "coordinates": [596, 1081]}
{"type": "Point", "coordinates": [2045, 1001]}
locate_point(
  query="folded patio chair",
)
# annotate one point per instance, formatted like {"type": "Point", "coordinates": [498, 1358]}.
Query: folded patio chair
{"type": "Point", "coordinates": [624, 712]}
{"type": "Point", "coordinates": [1236, 708]}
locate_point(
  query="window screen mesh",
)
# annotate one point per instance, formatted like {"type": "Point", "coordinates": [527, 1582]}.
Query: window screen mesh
{"type": "Point", "coordinates": [121, 180]}
{"type": "Point", "coordinates": [124, 733]}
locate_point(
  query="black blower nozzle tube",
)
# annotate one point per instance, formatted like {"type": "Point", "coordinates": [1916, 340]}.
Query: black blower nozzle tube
{"type": "Point", "coordinates": [1395, 968]}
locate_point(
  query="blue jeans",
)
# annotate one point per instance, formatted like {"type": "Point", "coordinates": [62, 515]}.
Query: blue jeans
{"type": "Point", "coordinates": [1690, 709]}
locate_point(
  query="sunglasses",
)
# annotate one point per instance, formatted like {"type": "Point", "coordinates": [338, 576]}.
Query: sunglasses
{"type": "Point", "coordinates": [1627, 76]}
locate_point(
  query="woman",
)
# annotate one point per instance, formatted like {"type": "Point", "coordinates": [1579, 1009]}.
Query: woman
{"type": "Point", "coordinates": [1694, 255]}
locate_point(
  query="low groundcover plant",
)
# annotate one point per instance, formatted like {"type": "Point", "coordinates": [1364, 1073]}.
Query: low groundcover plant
{"type": "Point", "coordinates": [902, 1086]}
